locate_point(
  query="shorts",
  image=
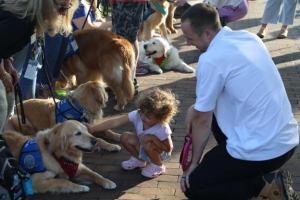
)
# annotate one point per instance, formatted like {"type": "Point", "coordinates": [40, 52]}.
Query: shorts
{"type": "Point", "coordinates": [163, 156]}
{"type": "Point", "coordinates": [127, 19]}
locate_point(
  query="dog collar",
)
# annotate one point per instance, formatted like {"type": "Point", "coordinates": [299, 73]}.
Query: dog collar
{"type": "Point", "coordinates": [161, 62]}
{"type": "Point", "coordinates": [160, 8]}
{"type": "Point", "coordinates": [69, 167]}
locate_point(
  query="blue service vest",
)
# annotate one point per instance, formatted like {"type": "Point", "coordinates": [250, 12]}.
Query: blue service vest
{"type": "Point", "coordinates": [30, 157]}
{"type": "Point", "coordinates": [66, 111]}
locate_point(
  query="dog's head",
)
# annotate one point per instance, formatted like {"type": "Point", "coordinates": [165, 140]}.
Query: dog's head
{"type": "Point", "coordinates": [92, 97]}
{"type": "Point", "coordinates": [157, 47]}
{"type": "Point", "coordinates": [69, 139]}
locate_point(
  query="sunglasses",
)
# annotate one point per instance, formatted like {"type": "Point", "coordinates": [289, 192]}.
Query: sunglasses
{"type": "Point", "coordinates": [62, 8]}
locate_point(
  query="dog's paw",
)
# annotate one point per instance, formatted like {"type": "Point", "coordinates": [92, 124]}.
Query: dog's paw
{"type": "Point", "coordinates": [114, 148]}
{"type": "Point", "coordinates": [190, 70]}
{"type": "Point", "coordinates": [84, 188]}
{"type": "Point", "coordinates": [109, 184]}
{"type": "Point", "coordinates": [117, 108]}
{"type": "Point", "coordinates": [159, 71]}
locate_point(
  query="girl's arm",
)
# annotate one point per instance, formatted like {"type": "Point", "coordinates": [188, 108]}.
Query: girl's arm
{"type": "Point", "coordinates": [109, 124]}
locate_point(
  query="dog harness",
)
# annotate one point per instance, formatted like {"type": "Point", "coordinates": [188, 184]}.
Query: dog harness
{"type": "Point", "coordinates": [148, 12]}
{"type": "Point", "coordinates": [161, 62]}
{"type": "Point", "coordinates": [69, 167]}
{"type": "Point", "coordinates": [66, 111]}
{"type": "Point", "coordinates": [30, 157]}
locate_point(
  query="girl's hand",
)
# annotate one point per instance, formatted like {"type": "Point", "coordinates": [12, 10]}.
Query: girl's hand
{"type": "Point", "coordinates": [89, 127]}
{"type": "Point", "coordinates": [184, 182]}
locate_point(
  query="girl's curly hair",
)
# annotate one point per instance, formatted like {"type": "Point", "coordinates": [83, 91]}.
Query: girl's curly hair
{"type": "Point", "coordinates": [161, 104]}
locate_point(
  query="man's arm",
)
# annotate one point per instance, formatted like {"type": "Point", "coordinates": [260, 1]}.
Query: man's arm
{"type": "Point", "coordinates": [199, 124]}
{"type": "Point", "coordinates": [201, 129]}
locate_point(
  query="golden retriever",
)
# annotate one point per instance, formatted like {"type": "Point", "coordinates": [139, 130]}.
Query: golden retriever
{"type": "Point", "coordinates": [103, 56]}
{"type": "Point", "coordinates": [60, 150]}
{"type": "Point", "coordinates": [155, 17]}
{"type": "Point", "coordinates": [158, 55]}
{"type": "Point", "coordinates": [170, 19]}
{"type": "Point", "coordinates": [86, 102]}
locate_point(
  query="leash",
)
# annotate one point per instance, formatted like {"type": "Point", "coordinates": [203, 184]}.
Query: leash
{"type": "Point", "coordinates": [87, 14]}
{"type": "Point", "coordinates": [51, 90]}
{"type": "Point", "coordinates": [48, 80]}
{"type": "Point", "coordinates": [18, 92]}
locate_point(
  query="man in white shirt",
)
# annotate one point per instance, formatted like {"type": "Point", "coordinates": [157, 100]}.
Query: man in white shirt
{"type": "Point", "coordinates": [242, 100]}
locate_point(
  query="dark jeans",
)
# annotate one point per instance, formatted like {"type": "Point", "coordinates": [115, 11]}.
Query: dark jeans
{"type": "Point", "coordinates": [220, 176]}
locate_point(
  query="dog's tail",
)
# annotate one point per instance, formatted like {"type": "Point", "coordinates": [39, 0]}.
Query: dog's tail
{"type": "Point", "coordinates": [128, 73]}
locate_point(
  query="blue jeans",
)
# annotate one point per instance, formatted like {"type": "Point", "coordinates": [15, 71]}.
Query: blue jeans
{"type": "Point", "coordinates": [55, 49]}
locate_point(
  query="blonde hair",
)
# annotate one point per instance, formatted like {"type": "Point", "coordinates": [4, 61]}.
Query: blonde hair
{"type": "Point", "coordinates": [44, 13]}
{"type": "Point", "coordinates": [161, 104]}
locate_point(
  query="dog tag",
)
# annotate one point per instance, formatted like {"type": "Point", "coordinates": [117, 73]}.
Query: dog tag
{"type": "Point", "coordinates": [30, 72]}
{"type": "Point", "coordinates": [74, 45]}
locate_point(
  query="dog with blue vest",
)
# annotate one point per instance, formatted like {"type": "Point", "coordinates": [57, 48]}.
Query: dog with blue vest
{"type": "Point", "coordinates": [54, 157]}
{"type": "Point", "coordinates": [84, 104]}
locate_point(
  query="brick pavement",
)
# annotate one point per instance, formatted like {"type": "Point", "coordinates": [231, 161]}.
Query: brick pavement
{"type": "Point", "coordinates": [130, 184]}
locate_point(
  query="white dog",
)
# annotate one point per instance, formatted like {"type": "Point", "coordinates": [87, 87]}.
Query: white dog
{"type": "Point", "coordinates": [160, 55]}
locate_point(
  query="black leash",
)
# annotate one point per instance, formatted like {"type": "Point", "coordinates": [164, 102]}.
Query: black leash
{"type": "Point", "coordinates": [18, 92]}
{"type": "Point", "coordinates": [87, 14]}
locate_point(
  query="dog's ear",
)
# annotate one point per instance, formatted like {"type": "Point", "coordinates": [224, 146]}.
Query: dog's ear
{"type": "Point", "coordinates": [167, 48]}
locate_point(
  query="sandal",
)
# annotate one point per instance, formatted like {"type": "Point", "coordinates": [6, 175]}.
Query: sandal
{"type": "Point", "coordinates": [153, 171]}
{"type": "Point", "coordinates": [262, 32]}
{"type": "Point", "coordinates": [132, 163]}
{"type": "Point", "coordinates": [282, 33]}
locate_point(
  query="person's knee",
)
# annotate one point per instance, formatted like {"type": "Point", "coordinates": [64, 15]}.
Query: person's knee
{"type": "Point", "coordinates": [128, 138]}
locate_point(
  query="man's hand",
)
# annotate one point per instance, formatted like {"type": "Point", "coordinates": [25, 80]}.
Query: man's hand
{"type": "Point", "coordinates": [185, 178]}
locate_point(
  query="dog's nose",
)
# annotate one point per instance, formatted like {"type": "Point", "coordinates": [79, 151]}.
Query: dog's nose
{"type": "Point", "coordinates": [145, 46]}
{"type": "Point", "coordinates": [94, 141]}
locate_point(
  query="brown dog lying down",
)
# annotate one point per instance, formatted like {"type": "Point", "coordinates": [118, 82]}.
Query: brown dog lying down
{"type": "Point", "coordinates": [60, 147]}
{"type": "Point", "coordinates": [86, 102]}
{"type": "Point", "coordinates": [102, 56]}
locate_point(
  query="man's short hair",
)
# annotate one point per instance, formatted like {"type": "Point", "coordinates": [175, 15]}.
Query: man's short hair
{"type": "Point", "coordinates": [202, 16]}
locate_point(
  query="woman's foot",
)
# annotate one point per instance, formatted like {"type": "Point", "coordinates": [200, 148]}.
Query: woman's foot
{"type": "Point", "coordinates": [282, 33]}
{"type": "Point", "coordinates": [132, 163]}
{"type": "Point", "coordinates": [262, 32]}
{"type": "Point", "coordinates": [153, 171]}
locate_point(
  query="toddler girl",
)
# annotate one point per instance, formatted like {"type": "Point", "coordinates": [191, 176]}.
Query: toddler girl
{"type": "Point", "coordinates": [152, 142]}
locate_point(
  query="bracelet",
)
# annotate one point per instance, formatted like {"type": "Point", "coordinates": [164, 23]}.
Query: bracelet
{"type": "Point", "coordinates": [5, 77]}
